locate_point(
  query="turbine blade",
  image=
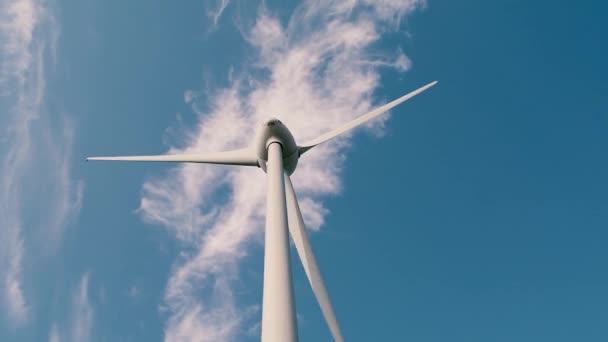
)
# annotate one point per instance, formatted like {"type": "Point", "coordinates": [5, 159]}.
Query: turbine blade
{"type": "Point", "coordinates": [300, 239]}
{"type": "Point", "coordinates": [244, 157]}
{"type": "Point", "coordinates": [362, 119]}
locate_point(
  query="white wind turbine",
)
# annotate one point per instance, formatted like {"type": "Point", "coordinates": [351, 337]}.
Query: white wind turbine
{"type": "Point", "coordinates": [277, 153]}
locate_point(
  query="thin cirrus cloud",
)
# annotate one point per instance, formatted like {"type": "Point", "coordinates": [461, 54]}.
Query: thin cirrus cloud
{"type": "Point", "coordinates": [317, 71]}
{"type": "Point", "coordinates": [80, 323]}
{"type": "Point", "coordinates": [34, 151]}
{"type": "Point", "coordinates": [82, 316]}
{"type": "Point", "coordinates": [219, 10]}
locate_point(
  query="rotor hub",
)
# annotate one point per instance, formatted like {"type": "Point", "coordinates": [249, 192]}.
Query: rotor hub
{"type": "Point", "coordinates": [274, 131]}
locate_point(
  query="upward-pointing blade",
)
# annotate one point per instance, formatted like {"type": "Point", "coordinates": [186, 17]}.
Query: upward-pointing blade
{"type": "Point", "coordinates": [362, 119]}
{"type": "Point", "coordinates": [300, 239]}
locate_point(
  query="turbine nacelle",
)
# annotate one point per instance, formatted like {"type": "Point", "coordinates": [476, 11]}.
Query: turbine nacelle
{"type": "Point", "coordinates": [274, 131]}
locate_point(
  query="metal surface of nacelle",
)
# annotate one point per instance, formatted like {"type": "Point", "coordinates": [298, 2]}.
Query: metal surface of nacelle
{"type": "Point", "coordinates": [274, 131]}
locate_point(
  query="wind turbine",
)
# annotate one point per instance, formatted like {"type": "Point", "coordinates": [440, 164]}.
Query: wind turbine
{"type": "Point", "coordinates": [277, 153]}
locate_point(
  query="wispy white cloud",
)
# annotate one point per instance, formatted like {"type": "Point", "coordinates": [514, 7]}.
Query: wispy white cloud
{"type": "Point", "coordinates": [392, 11]}
{"type": "Point", "coordinates": [216, 13]}
{"type": "Point", "coordinates": [18, 21]}
{"type": "Point", "coordinates": [34, 156]}
{"type": "Point", "coordinates": [314, 72]}
{"type": "Point", "coordinates": [81, 323]}
{"type": "Point", "coordinates": [54, 334]}
{"type": "Point", "coordinates": [14, 297]}
{"type": "Point", "coordinates": [80, 320]}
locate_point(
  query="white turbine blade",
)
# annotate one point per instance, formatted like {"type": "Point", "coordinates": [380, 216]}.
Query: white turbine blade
{"type": "Point", "coordinates": [362, 119]}
{"type": "Point", "coordinates": [300, 239]}
{"type": "Point", "coordinates": [244, 157]}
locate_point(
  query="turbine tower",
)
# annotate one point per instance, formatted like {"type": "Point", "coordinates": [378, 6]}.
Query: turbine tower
{"type": "Point", "coordinates": [277, 153]}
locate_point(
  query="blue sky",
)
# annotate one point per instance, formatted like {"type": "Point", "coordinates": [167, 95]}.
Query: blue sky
{"type": "Point", "coordinates": [475, 212]}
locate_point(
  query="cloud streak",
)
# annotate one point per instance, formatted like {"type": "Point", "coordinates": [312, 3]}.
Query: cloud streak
{"type": "Point", "coordinates": [315, 71]}
{"type": "Point", "coordinates": [216, 14]}
{"type": "Point", "coordinates": [34, 158]}
{"type": "Point", "coordinates": [81, 316]}
{"type": "Point", "coordinates": [82, 312]}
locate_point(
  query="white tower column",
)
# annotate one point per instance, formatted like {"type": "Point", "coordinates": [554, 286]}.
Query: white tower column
{"type": "Point", "coordinates": [278, 308]}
